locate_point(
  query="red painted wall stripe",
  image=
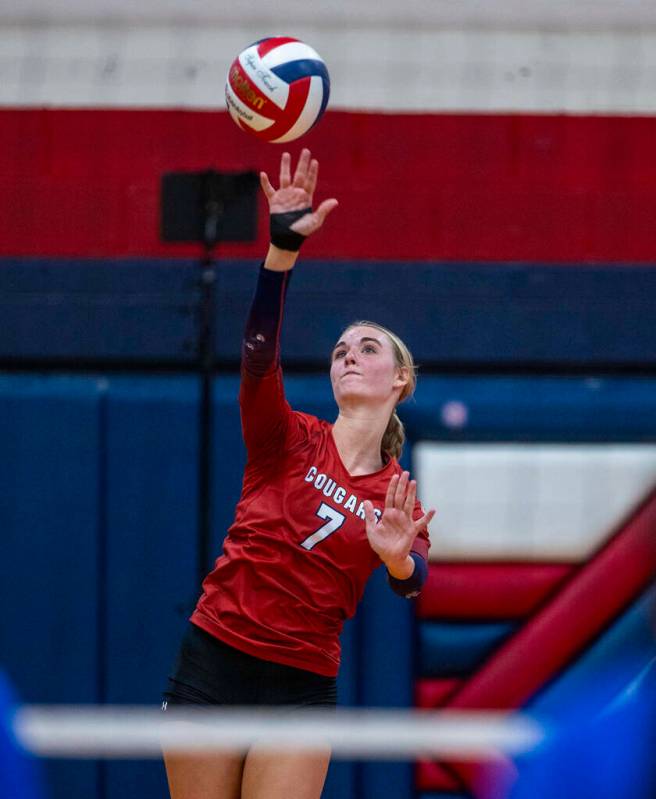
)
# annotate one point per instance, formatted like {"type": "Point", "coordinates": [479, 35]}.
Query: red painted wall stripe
{"type": "Point", "coordinates": [430, 776]}
{"type": "Point", "coordinates": [590, 600]}
{"type": "Point", "coordinates": [434, 693]}
{"type": "Point", "coordinates": [487, 590]}
{"type": "Point", "coordinates": [469, 187]}
{"type": "Point", "coordinates": [552, 638]}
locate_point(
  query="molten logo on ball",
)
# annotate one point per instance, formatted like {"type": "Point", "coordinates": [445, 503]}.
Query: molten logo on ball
{"type": "Point", "coordinates": [277, 89]}
{"type": "Point", "coordinates": [243, 89]}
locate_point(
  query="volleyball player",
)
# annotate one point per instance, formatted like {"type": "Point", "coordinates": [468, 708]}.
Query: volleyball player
{"type": "Point", "coordinates": [322, 506]}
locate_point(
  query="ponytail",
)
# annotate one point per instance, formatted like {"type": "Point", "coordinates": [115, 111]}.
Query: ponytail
{"type": "Point", "coordinates": [393, 438]}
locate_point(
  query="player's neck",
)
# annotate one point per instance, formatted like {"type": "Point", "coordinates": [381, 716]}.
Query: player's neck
{"type": "Point", "coordinates": [358, 439]}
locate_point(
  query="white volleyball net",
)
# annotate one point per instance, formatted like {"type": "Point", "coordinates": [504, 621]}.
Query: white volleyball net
{"type": "Point", "coordinates": [142, 733]}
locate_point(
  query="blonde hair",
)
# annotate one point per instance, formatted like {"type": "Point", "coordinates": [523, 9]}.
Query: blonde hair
{"type": "Point", "coordinates": [394, 435]}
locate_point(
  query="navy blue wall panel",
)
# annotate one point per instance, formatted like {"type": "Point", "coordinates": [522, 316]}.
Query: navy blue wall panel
{"type": "Point", "coordinates": [152, 484]}
{"type": "Point", "coordinates": [343, 775]}
{"type": "Point", "coordinates": [97, 309]}
{"type": "Point", "coordinates": [532, 408]}
{"type": "Point", "coordinates": [50, 532]}
{"type": "Point", "coordinates": [387, 655]}
{"type": "Point", "coordinates": [449, 649]}
{"type": "Point", "coordinates": [495, 408]}
{"type": "Point", "coordinates": [98, 518]}
{"type": "Point", "coordinates": [448, 313]}
{"type": "Point", "coordinates": [460, 313]}
{"type": "Point", "coordinates": [441, 795]}
{"type": "Point", "coordinates": [228, 460]}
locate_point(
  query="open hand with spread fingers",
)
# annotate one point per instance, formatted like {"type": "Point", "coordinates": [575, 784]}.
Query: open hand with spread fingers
{"type": "Point", "coordinates": [393, 535]}
{"type": "Point", "coordinates": [296, 194]}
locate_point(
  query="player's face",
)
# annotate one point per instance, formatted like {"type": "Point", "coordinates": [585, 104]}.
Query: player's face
{"type": "Point", "coordinates": [363, 366]}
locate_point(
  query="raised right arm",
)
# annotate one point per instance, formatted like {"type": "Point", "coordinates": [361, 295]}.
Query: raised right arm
{"type": "Point", "coordinates": [265, 413]}
{"type": "Point", "coordinates": [264, 410]}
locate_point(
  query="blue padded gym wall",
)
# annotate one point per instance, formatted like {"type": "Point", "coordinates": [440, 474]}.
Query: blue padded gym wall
{"type": "Point", "coordinates": [99, 434]}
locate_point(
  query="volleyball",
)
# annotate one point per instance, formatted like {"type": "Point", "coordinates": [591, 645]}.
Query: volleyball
{"type": "Point", "coordinates": [277, 89]}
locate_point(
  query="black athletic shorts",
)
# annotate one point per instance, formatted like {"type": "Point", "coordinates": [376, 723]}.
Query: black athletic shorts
{"type": "Point", "coordinates": [209, 672]}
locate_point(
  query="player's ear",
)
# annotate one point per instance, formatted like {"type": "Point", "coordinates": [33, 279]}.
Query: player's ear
{"type": "Point", "coordinates": [402, 377]}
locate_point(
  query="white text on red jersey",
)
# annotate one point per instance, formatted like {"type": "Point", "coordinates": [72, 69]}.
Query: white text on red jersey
{"type": "Point", "coordinates": [340, 495]}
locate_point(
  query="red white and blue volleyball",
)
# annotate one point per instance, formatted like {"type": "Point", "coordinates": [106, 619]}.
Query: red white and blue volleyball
{"type": "Point", "coordinates": [277, 89]}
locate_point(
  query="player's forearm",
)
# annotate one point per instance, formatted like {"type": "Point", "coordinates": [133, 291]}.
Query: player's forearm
{"type": "Point", "coordinates": [411, 585]}
{"type": "Point", "coordinates": [261, 344]}
{"type": "Point", "coordinates": [278, 260]}
{"type": "Point", "coordinates": [401, 570]}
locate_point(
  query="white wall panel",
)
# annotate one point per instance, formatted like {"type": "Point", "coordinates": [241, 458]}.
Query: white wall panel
{"type": "Point", "coordinates": [418, 14]}
{"type": "Point", "coordinates": [389, 68]}
{"type": "Point", "coordinates": [529, 501]}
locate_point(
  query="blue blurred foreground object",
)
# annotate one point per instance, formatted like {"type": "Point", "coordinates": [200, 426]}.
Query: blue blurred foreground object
{"type": "Point", "coordinates": [606, 757]}
{"type": "Point", "coordinates": [18, 771]}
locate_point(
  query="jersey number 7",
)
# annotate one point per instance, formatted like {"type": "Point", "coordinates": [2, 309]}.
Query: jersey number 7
{"type": "Point", "coordinates": [334, 520]}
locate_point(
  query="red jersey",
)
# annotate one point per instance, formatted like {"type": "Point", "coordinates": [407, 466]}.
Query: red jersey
{"type": "Point", "coordinates": [296, 559]}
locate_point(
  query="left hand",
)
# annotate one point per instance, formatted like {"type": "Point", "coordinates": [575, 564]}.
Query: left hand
{"type": "Point", "coordinates": [393, 535]}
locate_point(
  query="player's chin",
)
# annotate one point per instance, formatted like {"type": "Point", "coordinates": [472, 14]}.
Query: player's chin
{"type": "Point", "coordinates": [343, 398]}
{"type": "Point", "coordinates": [352, 395]}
